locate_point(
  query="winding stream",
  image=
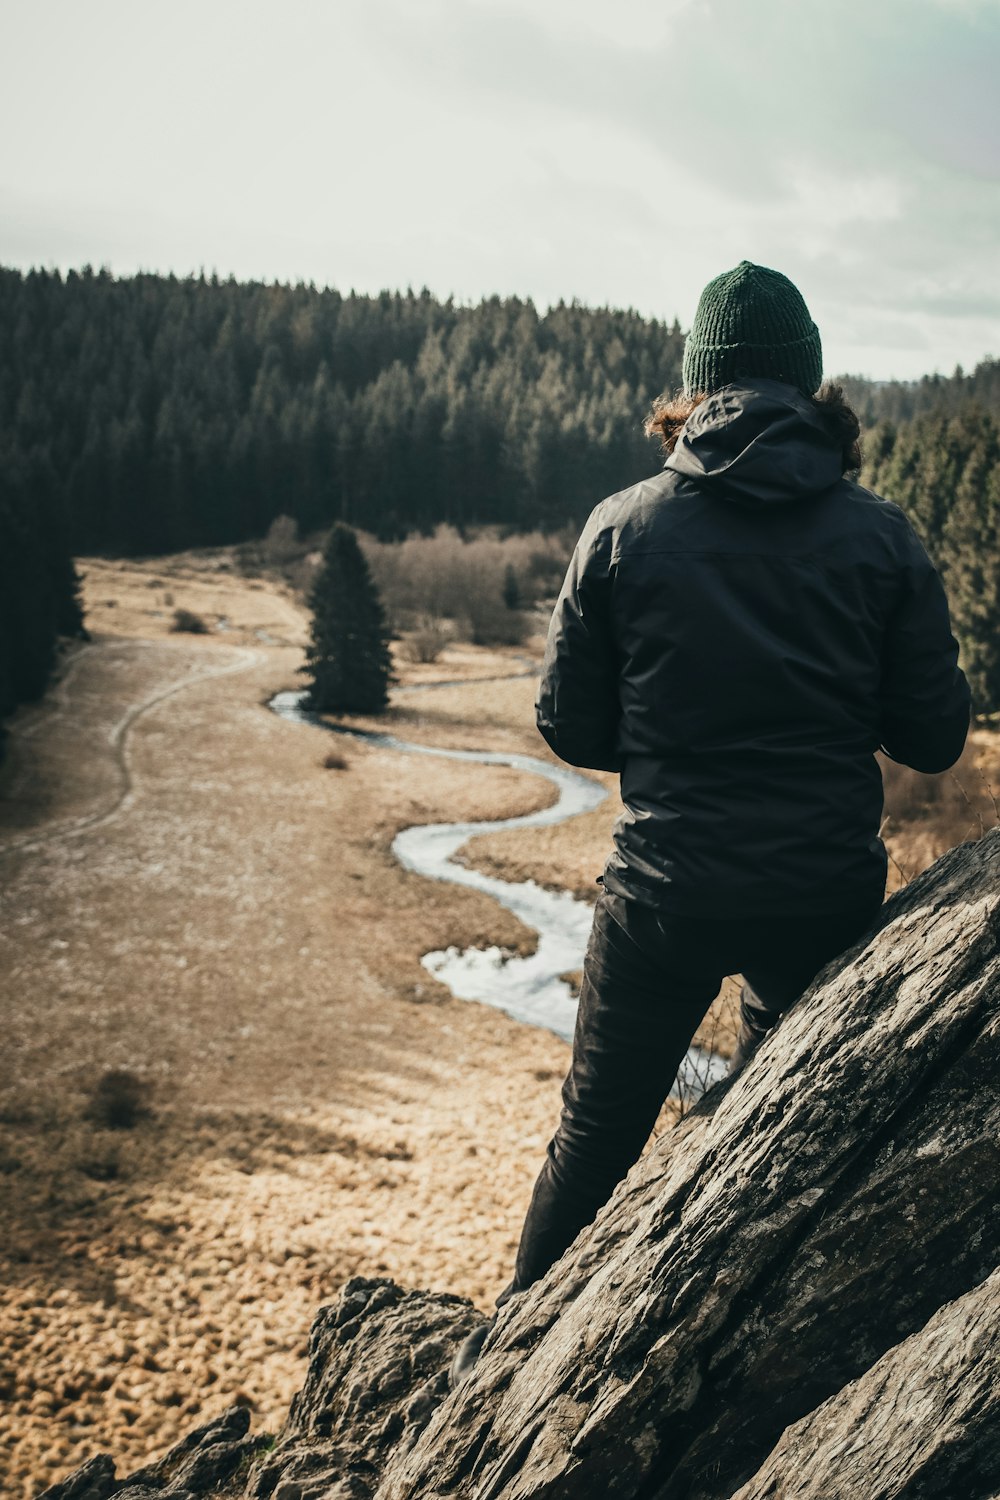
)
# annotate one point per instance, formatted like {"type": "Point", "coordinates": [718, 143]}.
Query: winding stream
{"type": "Point", "coordinates": [530, 989]}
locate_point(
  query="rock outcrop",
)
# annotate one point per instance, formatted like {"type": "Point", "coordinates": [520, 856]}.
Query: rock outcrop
{"type": "Point", "coordinates": [924, 1420]}
{"type": "Point", "coordinates": [794, 1293]}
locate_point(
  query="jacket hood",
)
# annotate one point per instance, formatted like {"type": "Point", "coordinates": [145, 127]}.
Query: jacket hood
{"type": "Point", "coordinates": [758, 443]}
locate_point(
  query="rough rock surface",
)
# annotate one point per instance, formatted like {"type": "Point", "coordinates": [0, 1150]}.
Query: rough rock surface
{"type": "Point", "coordinates": [805, 1261]}
{"type": "Point", "coordinates": [904, 1427]}
{"type": "Point", "coordinates": [198, 1465]}
{"type": "Point", "coordinates": [378, 1362]}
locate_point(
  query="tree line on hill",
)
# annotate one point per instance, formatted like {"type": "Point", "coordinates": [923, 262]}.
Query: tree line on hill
{"type": "Point", "coordinates": [943, 468]}
{"type": "Point", "coordinates": [149, 413]}
{"type": "Point", "coordinates": [897, 401]}
{"type": "Point", "coordinates": [178, 413]}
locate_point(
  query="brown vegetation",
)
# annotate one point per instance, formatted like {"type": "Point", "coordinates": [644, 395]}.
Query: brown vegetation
{"type": "Point", "coordinates": [469, 583]}
{"type": "Point", "coordinates": [236, 932]}
{"type": "Point", "coordinates": [187, 622]}
{"type": "Point", "coordinates": [926, 815]}
{"type": "Point", "coordinates": [426, 640]}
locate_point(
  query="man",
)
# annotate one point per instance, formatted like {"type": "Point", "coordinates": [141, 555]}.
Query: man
{"type": "Point", "coordinates": [736, 637]}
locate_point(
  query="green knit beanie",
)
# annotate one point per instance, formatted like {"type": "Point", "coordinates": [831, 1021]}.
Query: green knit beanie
{"type": "Point", "coordinates": [752, 321]}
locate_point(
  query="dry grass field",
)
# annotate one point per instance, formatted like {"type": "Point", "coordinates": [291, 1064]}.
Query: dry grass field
{"type": "Point", "coordinates": [193, 900]}
{"type": "Point", "coordinates": [227, 1084]}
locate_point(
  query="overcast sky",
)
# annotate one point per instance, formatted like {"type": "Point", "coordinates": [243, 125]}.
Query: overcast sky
{"type": "Point", "coordinates": [617, 152]}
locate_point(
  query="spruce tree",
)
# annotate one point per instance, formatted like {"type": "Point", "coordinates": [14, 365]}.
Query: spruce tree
{"type": "Point", "coordinates": [511, 588]}
{"type": "Point", "coordinates": [348, 658]}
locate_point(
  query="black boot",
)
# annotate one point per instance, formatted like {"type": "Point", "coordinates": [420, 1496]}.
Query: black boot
{"type": "Point", "coordinates": [756, 1022]}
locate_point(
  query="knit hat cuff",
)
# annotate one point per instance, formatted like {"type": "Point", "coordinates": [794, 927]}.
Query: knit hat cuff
{"type": "Point", "coordinates": [746, 344]}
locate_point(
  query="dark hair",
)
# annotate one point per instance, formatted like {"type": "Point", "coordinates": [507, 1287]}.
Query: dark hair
{"type": "Point", "coordinates": [669, 414]}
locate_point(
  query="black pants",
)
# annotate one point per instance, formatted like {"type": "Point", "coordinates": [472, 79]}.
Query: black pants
{"type": "Point", "coordinates": [648, 980]}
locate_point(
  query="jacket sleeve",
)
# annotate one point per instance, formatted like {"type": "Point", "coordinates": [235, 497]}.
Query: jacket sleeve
{"type": "Point", "coordinates": [578, 708]}
{"type": "Point", "coordinates": [925, 701]}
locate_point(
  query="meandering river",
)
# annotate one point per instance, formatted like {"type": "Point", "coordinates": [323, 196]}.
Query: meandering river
{"type": "Point", "coordinates": [530, 989]}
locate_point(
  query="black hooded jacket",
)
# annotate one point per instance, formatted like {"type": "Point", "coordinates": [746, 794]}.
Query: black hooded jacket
{"type": "Point", "coordinates": [737, 636]}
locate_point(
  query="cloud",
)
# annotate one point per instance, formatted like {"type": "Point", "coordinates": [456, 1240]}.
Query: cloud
{"type": "Point", "coordinates": [735, 89]}
{"type": "Point", "coordinates": [615, 153]}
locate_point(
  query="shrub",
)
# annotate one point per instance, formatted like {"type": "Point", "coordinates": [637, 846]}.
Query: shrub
{"type": "Point", "coordinates": [512, 595]}
{"type": "Point", "coordinates": [490, 622]}
{"type": "Point", "coordinates": [333, 760]}
{"type": "Point", "coordinates": [119, 1100]}
{"type": "Point", "coordinates": [282, 543]}
{"type": "Point", "coordinates": [186, 621]}
{"type": "Point", "coordinates": [482, 583]}
{"type": "Point", "coordinates": [426, 641]}
{"type": "Point", "coordinates": [547, 567]}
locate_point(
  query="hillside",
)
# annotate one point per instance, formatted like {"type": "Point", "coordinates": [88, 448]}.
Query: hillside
{"type": "Point", "coordinates": [793, 1293]}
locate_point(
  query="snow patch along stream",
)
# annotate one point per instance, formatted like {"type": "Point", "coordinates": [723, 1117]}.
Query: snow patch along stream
{"type": "Point", "coordinates": [530, 989]}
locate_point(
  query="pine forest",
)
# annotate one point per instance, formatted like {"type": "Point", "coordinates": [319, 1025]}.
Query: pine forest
{"type": "Point", "coordinates": [149, 414]}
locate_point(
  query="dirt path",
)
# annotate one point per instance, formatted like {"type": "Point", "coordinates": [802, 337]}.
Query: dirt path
{"type": "Point", "coordinates": [118, 740]}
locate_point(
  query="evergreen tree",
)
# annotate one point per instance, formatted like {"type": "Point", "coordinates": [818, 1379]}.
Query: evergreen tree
{"type": "Point", "coordinates": [511, 588]}
{"type": "Point", "coordinates": [39, 586]}
{"type": "Point", "coordinates": [348, 657]}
